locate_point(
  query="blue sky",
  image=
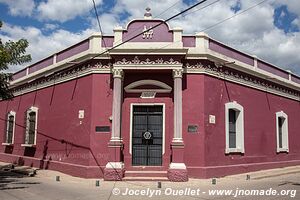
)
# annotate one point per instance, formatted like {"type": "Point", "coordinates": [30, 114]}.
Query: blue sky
{"type": "Point", "coordinates": [270, 30]}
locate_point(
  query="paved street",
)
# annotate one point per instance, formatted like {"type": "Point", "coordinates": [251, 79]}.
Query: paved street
{"type": "Point", "coordinates": [44, 186]}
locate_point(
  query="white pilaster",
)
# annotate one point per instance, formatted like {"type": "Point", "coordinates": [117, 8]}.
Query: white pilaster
{"type": "Point", "coordinates": [290, 74]}
{"type": "Point", "coordinates": [117, 100]}
{"type": "Point", "coordinates": [54, 58]}
{"type": "Point", "coordinates": [177, 36]}
{"type": "Point", "coordinates": [95, 42]}
{"type": "Point", "coordinates": [118, 33]}
{"type": "Point", "coordinates": [177, 75]}
{"type": "Point", "coordinates": [202, 41]}
{"type": "Point", "coordinates": [255, 64]}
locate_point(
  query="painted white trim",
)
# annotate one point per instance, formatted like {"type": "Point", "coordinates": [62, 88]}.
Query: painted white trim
{"type": "Point", "coordinates": [173, 48]}
{"type": "Point", "coordinates": [7, 144]}
{"type": "Point", "coordinates": [115, 165]}
{"type": "Point", "coordinates": [11, 113]}
{"type": "Point", "coordinates": [30, 110]}
{"type": "Point", "coordinates": [239, 127]}
{"type": "Point", "coordinates": [28, 145]}
{"type": "Point", "coordinates": [252, 56]}
{"type": "Point", "coordinates": [143, 19]}
{"type": "Point", "coordinates": [62, 80]}
{"type": "Point", "coordinates": [285, 132]}
{"type": "Point", "coordinates": [188, 71]}
{"type": "Point", "coordinates": [250, 69]}
{"type": "Point", "coordinates": [148, 67]}
{"type": "Point", "coordinates": [177, 166]}
{"type": "Point", "coordinates": [242, 82]}
{"type": "Point", "coordinates": [131, 121]}
{"type": "Point", "coordinates": [164, 87]}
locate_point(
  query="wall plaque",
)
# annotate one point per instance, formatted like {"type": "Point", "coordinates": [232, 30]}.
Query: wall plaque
{"type": "Point", "coordinates": [212, 119]}
{"type": "Point", "coordinates": [81, 114]}
{"type": "Point", "coordinates": [148, 94]}
{"type": "Point", "coordinates": [192, 128]}
{"type": "Point", "coordinates": [102, 129]}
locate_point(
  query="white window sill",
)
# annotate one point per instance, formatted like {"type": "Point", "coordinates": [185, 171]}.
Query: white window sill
{"type": "Point", "coordinates": [27, 145]}
{"type": "Point", "coordinates": [282, 150]}
{"type": "Point", "coordinates": [234, 150]}
{"type": "Point", "coordinates": [7, 144]}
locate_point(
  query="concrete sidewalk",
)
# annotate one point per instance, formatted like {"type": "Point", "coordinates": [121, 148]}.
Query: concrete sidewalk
{"type": "Point", "coordinates": [50, 174]}
{"type": "Point", "coordinates": [267, 173]}
{"type": "Point", "coordinates": [44, 186]}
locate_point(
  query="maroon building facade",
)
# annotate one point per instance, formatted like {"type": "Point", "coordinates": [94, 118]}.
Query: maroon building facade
{"type": "Point", "coordinates": [161, 105]}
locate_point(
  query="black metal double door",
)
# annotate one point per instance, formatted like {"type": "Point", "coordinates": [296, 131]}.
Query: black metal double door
{"type": "Point", "coordinates": [147, 135]}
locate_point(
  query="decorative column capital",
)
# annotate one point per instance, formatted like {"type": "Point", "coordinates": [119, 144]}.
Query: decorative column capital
{"type": "Point", "coordinates": [117, 73]}
{"type": "Point", "coordinates": [177, 73]}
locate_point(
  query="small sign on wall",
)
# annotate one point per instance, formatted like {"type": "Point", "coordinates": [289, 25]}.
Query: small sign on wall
{"type": "Point", "coordinates": [212, 119]}
{"type": "Point", "coordinates": [102, 129]}
{"type": "Point", "coordinates": [148, 94]}
{"type": "Point", "coordinates": [80, 114]}
{"type": "Point", "coordinates": [193, 128]}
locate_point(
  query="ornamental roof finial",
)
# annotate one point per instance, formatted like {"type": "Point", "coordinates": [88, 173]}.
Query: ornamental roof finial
{"type": "Point", "coordinates": [148, 14]}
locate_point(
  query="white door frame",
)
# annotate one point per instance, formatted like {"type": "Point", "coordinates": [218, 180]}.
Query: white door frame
{"type": "Point", "coordinates": [131, 121]}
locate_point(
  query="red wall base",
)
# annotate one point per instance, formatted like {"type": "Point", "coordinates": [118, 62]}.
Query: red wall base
{"type": "Point", "coordinates": [113, 174]}
{"type": "Point", "coordinates": [67, 168]}
{"type": "Point", "coordinates": [173, 174]}
{"type": "Point", "coordinates": [178, 175]}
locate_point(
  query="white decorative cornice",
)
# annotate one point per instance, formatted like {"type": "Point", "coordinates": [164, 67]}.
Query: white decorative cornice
{"type": "Point", "coordinates": [242, 78]}
{"type": "Point", "coordinates": [147, 61]}
{"type": "Point", "coordinates": [197, 67]}
{"type": "Point", "coordinates": [61, 77]}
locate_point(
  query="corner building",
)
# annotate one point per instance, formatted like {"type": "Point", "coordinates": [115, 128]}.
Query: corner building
{"type": "Point", "coordinates": [163, 105]}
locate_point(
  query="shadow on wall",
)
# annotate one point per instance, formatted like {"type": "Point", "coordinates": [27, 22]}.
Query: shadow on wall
{"type": "Point", "coordinates": [8, 149]}
{"type": "Point", "coordinates": [43, 164]}
{"type": "Point", "coordinates": [29, 151]}
{"type": "Point", "coordinates": [20, 161]}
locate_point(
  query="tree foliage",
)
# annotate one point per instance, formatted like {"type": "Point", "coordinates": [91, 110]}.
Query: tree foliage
{"type": "Point", "coordinates": [11, 53]}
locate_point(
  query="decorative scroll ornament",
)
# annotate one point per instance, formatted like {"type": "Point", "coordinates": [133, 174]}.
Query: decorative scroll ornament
{"type": "Point", "coordinates": [59, 77]}
{"type": "Point", "coordinates": [228, 74]}
{"type": "Point", "coordinates": [147, 135]}
{"type": "Point", "coordinates": [147, 61]}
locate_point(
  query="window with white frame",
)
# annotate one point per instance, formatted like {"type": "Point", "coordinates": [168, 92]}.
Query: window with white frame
{"type": "Point", "coordinates": [10, 127]}
{"type": "Point", "coordinates": [234, 127]}
{"type": "Point", "coordinates": [31, 126]}
{"type": "Point", "coordinates": [282, 132]}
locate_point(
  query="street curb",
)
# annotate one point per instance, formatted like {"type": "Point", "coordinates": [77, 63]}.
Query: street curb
{"type": "Point", "coordinates": [268, 173]}
{"type": "Point", "coordinates": [275, 175]}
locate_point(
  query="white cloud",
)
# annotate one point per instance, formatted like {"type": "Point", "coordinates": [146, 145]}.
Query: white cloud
{"type": "Point", "coordinates": [296, 22]}
{"type": "Point", "coordinates": [253, 32]}
{"type": "Point", "coordinates": [108, 23]}
{"type": "Point", "coordinates": [292, 5]}
{"type": "Point", "coordinates": [49, 27]}
{"type": "Point", "coordinates": [41, 46]}
{"type": "Point", "coordinates": [62, 11]}
{"type": "Point", "coordinates": [137, 8]}
{"type": "Point", "coordinates": [20, 7]}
